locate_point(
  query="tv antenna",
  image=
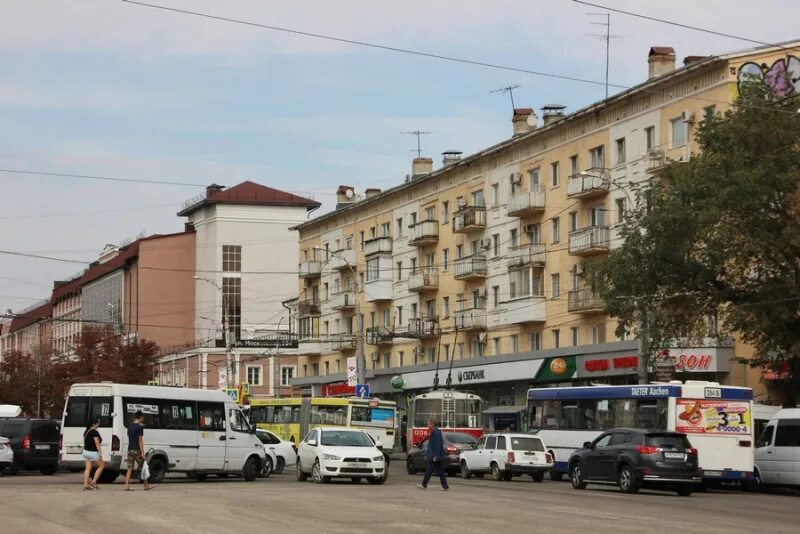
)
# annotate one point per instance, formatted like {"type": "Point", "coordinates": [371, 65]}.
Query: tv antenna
{"type": "Point", "coordinates": [510, 90]}
{"type": "Point", "coordinates": [418, 134]}
{"type": "Point", "coordinates": [604, 36]}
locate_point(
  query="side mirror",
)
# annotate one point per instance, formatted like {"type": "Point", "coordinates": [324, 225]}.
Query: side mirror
{"type": "Point", "coordinates": [312, 442]}
{"type": "Point", "coordinates": [588, 445]}
{"type": "Point", "coordinates": [379, 445]}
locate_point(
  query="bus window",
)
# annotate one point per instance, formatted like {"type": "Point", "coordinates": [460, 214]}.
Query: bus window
{"type": "Point", "coordinates": [652, 413]}
{"type": "Point", "coordinates": [361, 414]}
{"type": "Point", "coordinates": [424, 409]}
{"type": "Point", "coordinates": [569, 415]}
{"type": "Point", "coordinates": [605, 414]}
{"type": "Point", "coordinates": [329, 415]}
{"type": "Point", "coordinates": [587, 415]}
{"type": "Point", "coordinates": [211, 416]}
{"type": "Point", "coordinates": [624, 413]}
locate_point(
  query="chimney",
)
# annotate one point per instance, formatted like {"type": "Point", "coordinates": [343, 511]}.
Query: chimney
{"type": "Point", "coordinates": [524, 120]}
{"type": "Point", "coordinates": [188, 227]}
{"type": "Point", "coordinates": [552, 113]}
{"type": "Point", "coordinates": [661, 60]}
{"type": "Point", "coordinates": [345, 196]}
{"type": "Point", "coordinates": [421, 166]}
{"type": "Point", "coordinates": [213, 188]}
{"type": "Point", "coordinates": [450, 156]}
{"type": "Point", "coordinates": [688, 60]}
{"type": "Point", "coordinates": [372, 192]}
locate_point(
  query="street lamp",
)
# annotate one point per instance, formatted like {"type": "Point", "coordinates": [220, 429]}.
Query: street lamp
{"type": "Point", "coordinates": [361, 363]}
{"type": "Point", "coordinates": [226, 329]}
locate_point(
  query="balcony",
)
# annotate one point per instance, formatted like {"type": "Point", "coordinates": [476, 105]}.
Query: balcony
{"type": "Point", "coordinates": [344, 259]}
{"type": "Point", "coordinates": [343, 342]}
{"type": "Point", "coordinates": [424, 233]}
{"type": "Point", "coordinates": [588, 241]}
{"type": "Point", "coordinates": [423, 280]}
{"type": "Point", "coordinates": [529, 309]}
{"type": "Point", "coordinates": [526, 203]}
{"type": "Point", "coordinates": [471, 267]}
{"type": "Point", "coordinates": [310, 269]}
{"type": "Point", "coordinates": [583, 301]}
{"type": "Point", "coordinates": [469, 219]}
{"type": "Point", "coordinates": [529, 255]}
{"type": "Point", "coordinates": [344, 300]}
{"type": "Point", "coordinates": [423, 327]}
{"type": "Point", "coordinates": [591, 183]}
{"type": "Point", "coordinates": [309, 348]}
{"type": "Point", "coordinates": [379, 245]}
{"type": "Point", "coordinates": [470, 319]}
{"type": "Point", "coordinates": [378, 290]}
{"type": "Point", "coordinates": [379, 335]}
{"type": "Point", "coordinates": [308, 307]}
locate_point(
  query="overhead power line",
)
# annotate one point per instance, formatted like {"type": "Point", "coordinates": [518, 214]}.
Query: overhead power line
{"type": "Point", "coordinates": [37, 256]}
{"type": "Point", "coordinates": [105, 178]}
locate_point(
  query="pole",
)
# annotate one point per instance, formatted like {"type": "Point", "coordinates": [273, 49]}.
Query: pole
{"type": "Point", "coordinates": [608, 42]}
{"type": "Point", "coordinates": [644, 344]}
{"type": "Point", "coordinates": [227, 329]}
{"type": "Point", "coordinates": [361, 362]}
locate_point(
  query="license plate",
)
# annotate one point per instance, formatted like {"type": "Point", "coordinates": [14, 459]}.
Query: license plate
{"type": "Point", "coordinates": [74, 450]}
{"type": "Point", "coordinates": [42, 447]}
{"type": "Point", "coordinates": [358, 466]}
{"type": "Point", "coordinates": [674, 456]}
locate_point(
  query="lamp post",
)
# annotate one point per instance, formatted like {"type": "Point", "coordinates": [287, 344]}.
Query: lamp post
{"type": "Point", "coordinates": [361, 363]}
{"type": "Point", "coordinates": [226, 329]}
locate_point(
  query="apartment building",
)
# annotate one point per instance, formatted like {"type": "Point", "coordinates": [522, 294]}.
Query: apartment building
{"type": "Point", "coordinates": [481, 261]}
{"type": "Point", "coordinates": [28, 331]}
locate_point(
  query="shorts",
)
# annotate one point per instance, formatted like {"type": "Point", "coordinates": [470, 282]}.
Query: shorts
{"type": "Point", "coordinates": [92, 456]}
{"type": "Point", "coordinates": [133, 459]}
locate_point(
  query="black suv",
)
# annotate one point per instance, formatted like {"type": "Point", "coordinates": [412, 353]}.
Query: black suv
{"type": "Point", "coordinates": [34, 442]}
{"type": "Point", "coordinates": [633, 458]}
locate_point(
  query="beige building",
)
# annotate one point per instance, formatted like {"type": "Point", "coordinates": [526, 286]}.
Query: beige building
{"type": "Point", "coordinates": [489, 250]}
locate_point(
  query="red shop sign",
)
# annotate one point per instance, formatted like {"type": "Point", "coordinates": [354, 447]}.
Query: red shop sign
{"type": "Point", "coordinates": [604, 364]}
{"type": "Point", "coordinates": [693, 361]}
{"type": "Point", "coordinates": [337, 390]}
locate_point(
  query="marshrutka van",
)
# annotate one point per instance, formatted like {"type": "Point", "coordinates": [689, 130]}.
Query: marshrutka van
{"type": "Point", "coordinates": [192, 431]}
{"type": "Point", "coordinates": [778, 450]}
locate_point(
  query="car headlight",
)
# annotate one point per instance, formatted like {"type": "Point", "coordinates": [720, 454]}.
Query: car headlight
{"type": "Point", "coordinates": [378, 458]}
{"type": "Point", "coordinates": [330, 457]}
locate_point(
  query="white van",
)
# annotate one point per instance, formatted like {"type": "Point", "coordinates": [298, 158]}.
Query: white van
{"type": "Point", "coordinates": [193, 431]}
{"type": "Point", "coordinates": [778, 450]}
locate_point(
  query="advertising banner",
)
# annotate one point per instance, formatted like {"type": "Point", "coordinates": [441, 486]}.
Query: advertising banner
{"type": "Point", "coordinates": [352, 375]}
{"type": "Point", "coordinates": [698, 416]}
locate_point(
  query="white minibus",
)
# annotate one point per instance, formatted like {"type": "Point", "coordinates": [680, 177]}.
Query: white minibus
{"type": "Point", "coordinates": [778, 450]}
{"type": "Point", "coordinates": [192, 431]}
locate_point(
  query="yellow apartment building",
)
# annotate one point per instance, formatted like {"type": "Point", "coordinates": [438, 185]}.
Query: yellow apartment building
{"type": "Point", "coordinates": [481, 260]}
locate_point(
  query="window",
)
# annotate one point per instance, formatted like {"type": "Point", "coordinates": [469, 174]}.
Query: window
{"type": "Point", "coordinates": [495, 195]}
{"type": "Point", "coordinates": [400, 315]}
{"type": "Point", "coordinates": [445, 307]}
{"type": "Point", "coordinates": [765, 439]}
{"type": "Point", "coordinates": [519, 283]}
{"type": "Point", "coordinates": [211, 417]}
{"type": "Point", "coordinates": [372, 233]}
{"type": "Point", "coordinates": [515, 343]}
{"type": "Point", "coordinates": [597, 157]}
{"type": "Point", "coordinates": [534, 232]}
{"type": "Point", "coordinates": [386, 230]}
{"type": "Point", "coordinates": [788, 434]}
{"type": "Point", "coordinates": [496, 245]}
{"type": "Point", "coordinates": [555, 285]}
{"type": "Point", "coordinates": [556, 230]}
{"type": "Point", "coordinates": [287, 374]}
{"type": "Point", "coordinates": [477, 349]}
{"type": "Point", "coordinates": [385, 317]}
{"type": "Point", "coordinates": [232, 302]}
{"type": "Point", "coordinates": [461, 351]}
{"type": "Point", "coordinates": [495, 296]}
{"type": "Point", "coordinates": [678, 132]}
{"type": "Point", "coordinates": [446, 349]}
{"type": "Point", "coordinates": [556, 338]}
{"type": "Point", "coordinates": [387, 360]}
{"type": "Point", "coordinates": [445, 258]}
{"type": "Point", "coordinates": [254, 376]}
{"type": "Point", "coordinates": [459, 251]}
{"type": "Point", "coordinates": [621, 209]}
{"type": "Point", "coordinates": [574, 165]}
{"type": "Point", "coordinates": [328, 415]}
{"type": "Point", "coordinates": [399, 227]}
{"type": "Point", "coordinates": [496, 346]}
{"type": "Point", "coordinates": [513, 239]}
{"type": "Point", "coordinates": [598, 216]}
{"type": "Point", "coordinates": [573, 221]}
{"type": "Point", "coordinates": [431, 351]}
{"type": "Point", "coordinates": [231, 258]}
{"type": "Point", "coordinates": [620, 151]}
{"type": "Point", "coordinates": [576, 337]}
{"type": "Point", "coordinates": [535, 341]}
{"type": "Point", "coordinates": [709, 112]}
{"type": "Point", "coordinates": [315, 369]}
{"type": "Point", "coordinates": [650, 137]}
{"type": "Point", "coordinates": [237, 421]}
{"type": "Point", "coordinates": [514, 182]}
{"type": "Point", "coordinates": [361, 234]}
{"type": "Point", "coordinates": [402, 356]}
{"type": "Point", "coordinates": [598, 333]}
{"type": "Point", "coordinates": [327, 368]}
{"type": "Point", "coordinates": [556, 179]}
{"type": "Point", "coordinates": [445, 212]}
{"type": "Point", "coordinates": [373, 269]}
{"type": "Point", "coordinates": [430, 213]}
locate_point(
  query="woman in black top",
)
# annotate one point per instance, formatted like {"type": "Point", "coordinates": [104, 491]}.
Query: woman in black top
{"type": "Point", "coordinates": [93, 454]}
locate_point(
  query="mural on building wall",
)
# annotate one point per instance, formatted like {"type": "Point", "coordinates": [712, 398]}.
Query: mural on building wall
{"type": "Point", "coordinates": [782, 77]}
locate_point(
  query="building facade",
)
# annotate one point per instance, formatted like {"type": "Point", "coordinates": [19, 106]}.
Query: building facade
{"type": "Point", "coordinates": [480, 262]}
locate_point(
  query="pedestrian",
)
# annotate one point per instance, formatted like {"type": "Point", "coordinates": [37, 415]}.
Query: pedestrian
{"type": "Point", "coordinates": [136, 450]}
{"type": "Point", "coordinates": [92, 454]}
{"type": "Point", "coordinates": [434, 457]}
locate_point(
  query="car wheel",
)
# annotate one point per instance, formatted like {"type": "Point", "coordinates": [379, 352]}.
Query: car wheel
{"type": "Point", "coordinates": [685, 490]}
{"type": "Point", "coordinates": [754, 484]}
{"type": "Point", "coordinates": [507, 476]}
{"type": "Point", "coordinates": [478, 475]}
{"type": "Point", "coordinates": [410, 466]}
{"type": "Point", "coordinates": [376, 481]}
{"type": "Point", "coordinates": [316, 474]}
{"type": "Point", "coordinates": [301, 477]}
{"type": "Point", "coordinates": [556, 476]}
{"type": "Point", "coordinates": [538, 477]}
{"type": "Point", "coordinates": [576, 476]}
{"type": "Point", "coordinates": [201, 477]}
{"type": "Point", "coordinates": [158, 470]}
{"type": "Point", "coordinates": [266, 471]}
{"type": "Point", "coordinates": [49, 470]}
{"type": "Point", "coordinates": [108, 476]}
{"type": "Point", "coordinates": [627, 480]}
{"type": "Point", "coordinates": [497, 474]}
{"type": "Point", "coordinates": [251, 469]}
{"type": "Point", "coordinates": [465, 472]}
{"type": "Point", "coordinates": [12, 469]}
{"type": "Point", "coordinates": [356, 480]}
{"type": "Point", "coordinates": [281, 466]}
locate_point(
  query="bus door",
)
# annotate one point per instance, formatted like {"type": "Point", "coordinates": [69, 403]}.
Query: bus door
{"type": "Point", "coordinates": [213, 436]}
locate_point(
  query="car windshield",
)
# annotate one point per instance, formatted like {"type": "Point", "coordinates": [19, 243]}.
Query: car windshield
{"type": "Point", "coordinates": [668, 441]}
{"type": "Point", "coordinates": [526, 444]}
{"type": "Point", "coordinates": [464, 439]}
{"type": "Point", "coordinates": [262, 436]}
{"type": "Point", "coordinates": [345, 438]}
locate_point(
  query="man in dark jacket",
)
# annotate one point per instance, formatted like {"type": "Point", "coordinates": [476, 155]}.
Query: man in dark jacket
{"type": "Point", "coordinates": [434, 457]}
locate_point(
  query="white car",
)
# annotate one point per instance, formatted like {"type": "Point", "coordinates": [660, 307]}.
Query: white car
{"type": "Point", "coordinates": [338, 452]}
{"type": "Point", "coordinates": [282, 453]}
{"type": "Point", "coordinates": [507, 455]}
{"type": "Point", "coordinates": [6, 453]}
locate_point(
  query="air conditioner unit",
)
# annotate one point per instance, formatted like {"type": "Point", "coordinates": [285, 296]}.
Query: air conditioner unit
{"type": "Point", "coordinates": [516, 178]}
{"type": "Point", "coordinates": [579, 269]}
{"type": "Point", "coordinates": [482, 337]}
{"type": "Point", "coordinates": [486, 243]}
{"type": "Point", "coordinates": [482, 293]}
{"type": "Point", "coordinates": [529, 228]}
{"type": "Point", "coordinates": [687, 116]}
{"type": "Point", "coordinates": [655, 153]}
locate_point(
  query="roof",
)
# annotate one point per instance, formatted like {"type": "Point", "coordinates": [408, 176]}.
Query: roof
{"type": "Point", "coordinates": [505, 409]}
{"type": "Point", "coordinates": [661, 51]}
{"type": "Point", "coordinates": [30, 317]}
{"type": "Point", "coordinates": [252, 194]}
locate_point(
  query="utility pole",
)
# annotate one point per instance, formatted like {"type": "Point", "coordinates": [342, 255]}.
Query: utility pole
{"type": "Point", "coordinates": [418, 134]}
{"type": "Point", "coordinates": [226, 325]}
{"type": "Point", "coordinates": [510, 90]}
{"type": "Point", "coordinates": [605, 36]}
{"type": "Point", "coordinates": [643, 338]}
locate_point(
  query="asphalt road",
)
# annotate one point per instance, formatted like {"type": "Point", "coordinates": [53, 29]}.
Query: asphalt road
{"type": "Point", "coordinates": [33, 503]}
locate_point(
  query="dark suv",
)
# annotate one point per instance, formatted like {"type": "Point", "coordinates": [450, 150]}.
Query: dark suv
{"type": "Point", "coordinates": [633, 458]}
{"type": "Point", "coordinates": [34, 442]}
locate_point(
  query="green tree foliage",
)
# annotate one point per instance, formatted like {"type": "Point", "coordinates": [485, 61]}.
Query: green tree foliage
{"type": "Point", "coordinates": [719, 235]}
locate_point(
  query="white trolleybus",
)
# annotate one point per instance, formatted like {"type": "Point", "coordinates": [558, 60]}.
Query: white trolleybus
{"type": "Point", "coordinates": [193, 431]}
{"type": "Point", "coordinates": [717, 419]}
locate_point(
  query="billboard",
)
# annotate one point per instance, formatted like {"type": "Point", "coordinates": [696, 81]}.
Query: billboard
{"type": "Point", "coordinates": [699, 416]}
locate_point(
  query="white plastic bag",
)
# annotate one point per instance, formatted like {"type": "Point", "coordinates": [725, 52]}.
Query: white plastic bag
{"type": "Point", "coordinates": [145, 471]}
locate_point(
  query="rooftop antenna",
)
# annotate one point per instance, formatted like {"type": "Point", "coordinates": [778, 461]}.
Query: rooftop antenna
{"type": "Point", "coordinates": [510, 90]}
{"type": "Point", "coordinates": [604, 36]}
{"type": "Point", "coordinates": [418, 134]}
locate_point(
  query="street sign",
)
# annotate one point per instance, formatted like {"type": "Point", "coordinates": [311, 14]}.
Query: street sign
{"type": "Point", "coordinates": [352, 371]}
{"type": "Point", "coordinates": [152, 382]}
{"type": "Point", "coordinates": [233, 394]}
{"type": "Point", "coordinates": [362, 391]}
{"type": "Point", "coordinates": [274, 343]}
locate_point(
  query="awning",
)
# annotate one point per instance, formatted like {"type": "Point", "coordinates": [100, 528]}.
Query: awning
{"type": "Point", "coordinates": [500, 410]}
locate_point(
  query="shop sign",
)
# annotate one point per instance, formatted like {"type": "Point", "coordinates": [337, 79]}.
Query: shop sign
{"type": "Point", "coordinates": [496, 372]}
{"type": "Point", "coordinates": [337, 390]}
{"type": "Point", "coordinates": [470, 376]}
{"type": "Point", "coordinates": [557, 369]}
{"type": "Point", "coordinates": [595, 366]}
{"type": "Point", "coordinates": [697, 416]}
{"type": "Point", "coordinates": [694, 362]}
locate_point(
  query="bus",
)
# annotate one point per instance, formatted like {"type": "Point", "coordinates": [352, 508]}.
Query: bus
{"type": "Point", "coordinates": [455, 411]}
{"type": "Point", "coordinates": [292, 418]}
{"type": "Point", "coordinates": [717, 419]}
{"type": "Point", "coordinates": [193, 431]}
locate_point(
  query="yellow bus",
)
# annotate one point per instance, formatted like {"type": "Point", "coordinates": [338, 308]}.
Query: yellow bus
{"type": "Point", "coordinates": [292, 418]}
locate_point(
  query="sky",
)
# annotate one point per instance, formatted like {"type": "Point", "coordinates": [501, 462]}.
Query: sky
{"type": "Point", "coordinates": [109, 88]}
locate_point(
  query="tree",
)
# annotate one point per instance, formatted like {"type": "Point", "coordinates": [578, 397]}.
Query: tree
{"type": "Point", "coordinates": [719, 236]}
